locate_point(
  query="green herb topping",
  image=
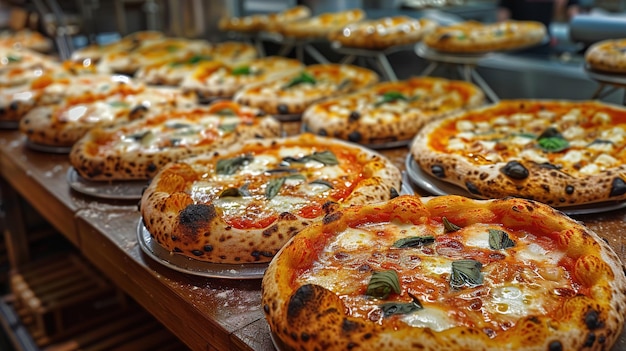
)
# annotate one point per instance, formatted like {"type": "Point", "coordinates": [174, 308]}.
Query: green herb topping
{"type": "Point", "coordinates": [499, 240]}
{"type": "Point", "coordinates": [551, 140]}
{"type": "Point", "coordinates": [231, 165]}
{"type": "Point", "coordinates": [382, 284]}
{"type": "Point", "coordinates": [449, 227]}
{"type": "Point", "coordinates": [414, 241]}
{"type": "Point", "coordinates": [304, 77]}
{"type": "Point", "coordinates": [466, 272]}
{"type": "Point", "coordinates": [325, 157]}
{"type": "Point", "coordinates": [391, 308]}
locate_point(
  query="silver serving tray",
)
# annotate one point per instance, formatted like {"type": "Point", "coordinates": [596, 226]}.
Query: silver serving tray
{"type": "Point", "coordinates": [436, 186]}
{"type": "Point", "coordinates": [190, 266]}
{"type": "Point", "coordinates": [114, 190]}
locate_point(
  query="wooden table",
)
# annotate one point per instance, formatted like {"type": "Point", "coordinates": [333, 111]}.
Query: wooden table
{"type": "Point", "coordinates": [205, 313]}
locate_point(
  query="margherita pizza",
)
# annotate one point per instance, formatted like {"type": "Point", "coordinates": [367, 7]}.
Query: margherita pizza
{"type": "Point", "coordinates": [52, 88]}
{"type": "Point", "coordinates": [139, 149]}
{"type": "Point", "coordinates": [173, 72]}
{"type": "Point", "coordinates": [25, 39]}
{"type": "Point", "coordinates": [390, 111]}
{"type": "Point", "coordinates": [445, 273]}
{"type": "Point", "coordinates": [263, 22]}
{"type": "Point", "coordinates": [292, 94]}
{"type": "Point", "coordinates": [383, 32]}
{"type": "Point", "coordinates": [61, 125]}
{"type": "Point", "coordinates": [241, 204]}
{"type": "Point", "coordinates": [607, 55]}
{"type": "Point", "coordinates": [561, 153]}
{"type": "Point", "coordinates": [477, 37]}
{"type": "Point", "coordinates": [223, 79]}
{"type": "Point", "coordinates": [19, 67]}
{"type": "Point", "coordinates": [320, 26]}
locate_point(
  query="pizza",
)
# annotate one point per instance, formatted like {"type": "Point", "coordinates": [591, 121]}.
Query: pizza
{"type": "Point", "coordinates": [383, 33]}
{"type": "Point", "coordinates": [138, 149]}
{"type": "Point", "coordinates": [152, 51]}
{"type": "Point", "coordinates": [292, 94]}
{"type": "Point", "coordinates": [128, 43]}
{"type": "Point", "coordinates": [445, 273]}
{"type": "Point", "coordinates": [607, 55]}
{"type": "Point", "coordinates": [242, 203]}
{"type": "Point", "coordinates": [320, 26]}
{"type": "Point", "coordinates": [175, 71]}
{"type": "Point", "coordinates": [52, 88]}
{"type": "Point", "coordinates": [562, 153]}
{"type": "Point", "coordinates": [25, 39]}
{"type": "Point", "coordinates": [390, 111]}
{"type": "Point", "coordinates": [222, 79]}
{"type": "Point", "coordinates": [20, 67]}
{"type": "Point", "coordinates": [61, 125]}
{"type": "Point", "coordinates": [263, 22]}
{"type": "Point", "coordinates": [477, 37]}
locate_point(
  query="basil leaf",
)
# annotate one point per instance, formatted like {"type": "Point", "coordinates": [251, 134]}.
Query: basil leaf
{"type": "Point", "coordinates": [325, 157]}
{"type": "Point", "coordinates": [273, 187]}
{"type": "Point", "coordinates": [226, 112]}
{"type": "Point", "coordinates": [449, 227]}
{"type": "Point", "coordinates": [525, 135]}
{"type": "Point", "coordinates": [198, 58]}
{"type": "Point", "coordinates": [241, 70]}
{"type": "Point", "coordinates": [551, 140]}
{"type": "Point", "coordinates": [304, 77]}
{"type": "Point", "coordinates": [281, 170]}
{"type": "Point", "coordinates": [323, 182]}
{"type": "Point", "coordinates": [499, 240]}
{"type": "Point", "coordinates": [177, 125]}
{"type": "Point", "coordinates": [230, 192]}
{"type": "Point", "coordinates": [13, 58]}
{"type": "Point", "coordinates": [414, 241]}
{"type": "Point", "coordinates": [296, 176]}
{"type": "Point", "coordinates": [119, 104]}
{"type": "Point", "coordinates": [231, 165]}
{"type": "Point", "coordinates": [228, 128]}
{"type": "Point", "coordinates": [382, 283]}
{"type": "Point", "coordinates": [553, 144]}
{"type": "Point", "coordinates": [391, 308]}
{"type": "Point", "coordinates": [466, 272]}
{"type": "Point", "coordinates": [391, 96]}
{"type": "Point", "coordinates": [600, 141]}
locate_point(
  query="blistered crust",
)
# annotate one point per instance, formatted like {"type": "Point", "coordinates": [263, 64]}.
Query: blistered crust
{"type": "Point", "coordinates": [517, 176]}
{"type": "Point", "coordinates": [607, 55]}
{"type": "Point", "coordinates": [139, 164]}
{"type": "Point", "coordinates": [351, 126]}
{"type": "Point", "coordinates": [310, 317]}
{"type": "Point", "coordinates": [196, 230]}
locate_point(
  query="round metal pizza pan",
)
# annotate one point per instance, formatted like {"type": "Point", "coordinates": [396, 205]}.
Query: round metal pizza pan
{"type": "Point", "coordinates": [606, 77]}
{"type": "Point", "coordinates": [437, 186]}
{"type": "Point", "coordinates": [9, 124]}
{"type": "Point", "coordinates": [47, 148]}
{"type": "Point", "coordinates": [292, 117]}
{"type": "Point", "coordinates": [114, 190]}
{"type": "Point", "coordinates": [425, 52]}
{"type": "Point", "coordinates": [190, 266]}
{"type": "Point", "coordinates": [378, 146]}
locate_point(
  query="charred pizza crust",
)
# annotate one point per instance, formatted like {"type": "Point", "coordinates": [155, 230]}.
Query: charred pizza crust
{"type": "Point", "coordinates": [316, 291]}
{"type": "Point", "coordinates": [242, 203]}
{"type": "Point", "coordinates": [292, 94]}
{"type": "Point", "coordinates": [477, 37]}
{"type": "Point", "coordinates": [607, 55]}
{"type": "Point", "coordinates": [383, 33]}
{"type": "Point", "coordinates": [138, 149]}
{"type": "Point", "coordinates": [561, 153]}
{"type": "Point", "coordinates": [390, 111]}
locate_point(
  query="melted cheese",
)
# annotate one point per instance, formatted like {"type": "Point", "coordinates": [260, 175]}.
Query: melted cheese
{"type": "Point", "coordinates": [501, 299]}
